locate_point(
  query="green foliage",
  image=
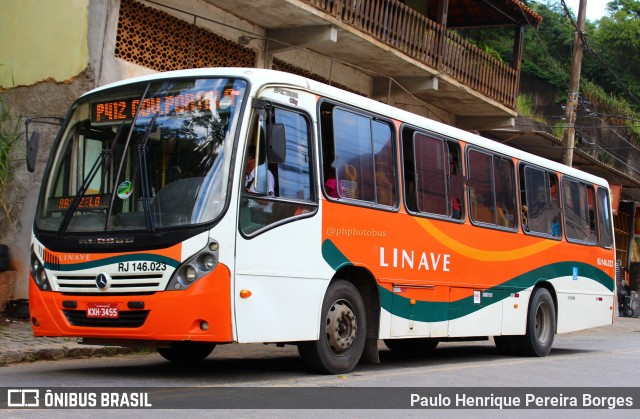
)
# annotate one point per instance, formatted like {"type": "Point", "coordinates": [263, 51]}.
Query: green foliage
{"type": "Point", "coordinates": [524, 105]}
{"type": "Point", "coordinates": [558, 129]}
{"type": "Point", "coordinates": [9, 136]}
{"type": "Point", "coordinates": [484, 42]}
{"type": "Point", "coordinates": [618, 110]}
{"type": "Point", "coordinates": [547, 52]}
{"type": "Point", "coordinates": [493, 42]}
{"type": "Point", "coordinates": [617, 41]}
{"type": "Point", "coordinates": [605, 157]}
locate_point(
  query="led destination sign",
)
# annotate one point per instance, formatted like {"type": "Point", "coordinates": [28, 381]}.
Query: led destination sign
{"type": "Point", "coordinates": [86, 202]}
{"type": "Point", "coordinates": [125, 109]}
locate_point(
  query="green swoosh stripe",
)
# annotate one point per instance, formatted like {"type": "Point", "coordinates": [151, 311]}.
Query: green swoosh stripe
{"type": "Point", "coordinates": [139, 257]}
{"type": "Point", "coordinates": [333, 256]}
{"type": "Point", "coordinates": [428, 311]}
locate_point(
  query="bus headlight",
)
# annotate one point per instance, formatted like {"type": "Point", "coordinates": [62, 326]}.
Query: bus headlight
{"type": "Point", "coordinates": [38, 273]}
{"type": "Point", "coordinates": [190, 273]}
{"type": "Point", "coordinates": [195, 267]}
{"type": "Point", "coordinates": [206, 261]}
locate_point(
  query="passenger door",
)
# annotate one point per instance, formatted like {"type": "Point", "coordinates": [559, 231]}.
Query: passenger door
{"type": "Point", "coordinates": [278, 248]}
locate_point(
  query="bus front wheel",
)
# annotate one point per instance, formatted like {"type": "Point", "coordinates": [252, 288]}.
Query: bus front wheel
{"type": "Point", "coordinates": [186, 352]}
{"type": "Point", "coordinates": [541, 325]}
{"type": "Point", "coordinates": [343, 328]}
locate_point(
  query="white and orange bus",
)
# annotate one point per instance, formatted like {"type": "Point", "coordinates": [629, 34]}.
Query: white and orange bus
{"type": "Point", "coordinates": [188, 209]}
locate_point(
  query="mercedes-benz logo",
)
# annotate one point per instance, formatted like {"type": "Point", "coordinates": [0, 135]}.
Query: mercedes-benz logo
{"type": "Point", "coordinates": [102, 281]}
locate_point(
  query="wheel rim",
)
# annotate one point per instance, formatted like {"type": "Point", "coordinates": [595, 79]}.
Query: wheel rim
{"type": "Point", "coordinates": [341, 327]}
{"type": "Point", "coordinates": [543, 323]}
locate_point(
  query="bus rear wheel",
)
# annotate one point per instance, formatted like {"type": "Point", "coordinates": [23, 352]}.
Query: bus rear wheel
{"type": "Point", "coordinates": [342, 331]}
{"type": "Point", "coordinates": [186, 352]}
{"type": "Point", "coordinates": [541, 325]}
{"type": "Point", "coordinates": [414, 347]}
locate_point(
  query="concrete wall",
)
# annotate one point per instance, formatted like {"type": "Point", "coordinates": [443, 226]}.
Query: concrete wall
{"type": "Point", "coordinates": [45, 56]}
{"type": "Point", "coordinates": [42, 40]}
{"type": "Point", "coordinates": [27, 101]}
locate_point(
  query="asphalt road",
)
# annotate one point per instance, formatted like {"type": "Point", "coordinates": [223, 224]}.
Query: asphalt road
{"type": "Point", "coordinates": [264, 376]}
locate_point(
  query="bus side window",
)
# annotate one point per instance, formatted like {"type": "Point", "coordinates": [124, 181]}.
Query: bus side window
{"type": "Point", "coordinates": [539, 192]}
{"type": "Point", "coordinates": [593, 223]}
{"type": "Point", "coordinates": [491, 189]}
{"type": "Point", "coordinates": [556, 222]}
{"type": "Point", "coordinates": [432, 170]}
{"type": "Point", "coordinates": [504, 181]}
{"type": "Point", "coordinates": [575, 204]}
{"type": "Point", "coordinates": [409, 168]}
{"type": "Point", "coordinates": [384, 161]}
{"type": "Point", "coordinates": [480, 176]}
{"type": "Point", "coordinates": [433, 181]}
{"type": "Point", "coordinates": [293, 193]}
{"type": "Point", "coordinates": [604, 219]}
{"type": "Point", "coordinates": [456, 180]}
{"type": "Point", "coordinates": [358, 156]}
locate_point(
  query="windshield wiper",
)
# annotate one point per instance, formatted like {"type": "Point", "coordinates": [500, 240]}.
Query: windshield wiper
{"type": "Point", "coordinates": [147, 209]}
{"type": "Point", "coordinates": [107, 170]}
{"type": "Point", "coordinates": [80, 193]}
{"type": "Point", "coordinates": [143, 149]}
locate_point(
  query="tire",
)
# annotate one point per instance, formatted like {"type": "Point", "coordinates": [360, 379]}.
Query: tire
{"type": "Point", "coordinates": [628, 312]}
{"type": "Point", "coordinates": [4, 250]}
{"type": "Point", "coordinates": [4, 263]}
{"type": "Point", "coordinates": [343, 329]}
{"type": "Point", "coordinates": [413, 347]}
{"type": "Point", "coordinates": [186, 352]}
{"type": "Point", "coordinates": [541, 325]}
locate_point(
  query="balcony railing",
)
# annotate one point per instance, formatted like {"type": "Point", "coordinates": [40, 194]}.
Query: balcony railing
{"type": "Point", "coordinates": [418, 37]}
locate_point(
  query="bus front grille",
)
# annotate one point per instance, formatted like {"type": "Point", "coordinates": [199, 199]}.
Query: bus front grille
{"type": "Point", "coordinates": [126, 283]}
{"type": "Point", "coordinates": [130, 319]}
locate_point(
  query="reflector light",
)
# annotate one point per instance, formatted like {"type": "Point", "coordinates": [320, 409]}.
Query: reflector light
{"type": "Point", "coordinates": [245, 293]}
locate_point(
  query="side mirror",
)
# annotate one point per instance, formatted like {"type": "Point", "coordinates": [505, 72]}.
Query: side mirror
{"type": "Point", "coordinates": [276, 144]}
{"type": "Point", "coordinates": [33, 139]}
{"type": "Point", "coordinates": [32, 151]}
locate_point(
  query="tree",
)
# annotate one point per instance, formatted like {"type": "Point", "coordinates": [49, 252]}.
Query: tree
{"type": "Point", "coordinates": [617, 41]}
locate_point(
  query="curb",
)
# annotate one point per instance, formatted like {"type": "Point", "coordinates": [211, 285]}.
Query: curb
{"type": "Point", "coordinates": [18, 345]}
{"type": "Point", "coordinates": [53, 354]}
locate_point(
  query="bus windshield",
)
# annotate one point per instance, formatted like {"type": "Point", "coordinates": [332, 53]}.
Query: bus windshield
{"type": "Point", "coordinates": [146, 156]}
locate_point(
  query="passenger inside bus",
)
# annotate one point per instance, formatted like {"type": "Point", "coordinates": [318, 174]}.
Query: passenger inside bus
{"type": "Point", "coordinates": [250, 175]}
{"type": "Point", "coordinates": [543, 212]}
{"type": "Point", "coordinates": [455, 181]}
{"type": "Point", "coordinates": [329, 172]}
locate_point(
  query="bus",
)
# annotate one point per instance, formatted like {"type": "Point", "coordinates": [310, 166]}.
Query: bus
{"type": "Point", "coordinates": [194, 208]}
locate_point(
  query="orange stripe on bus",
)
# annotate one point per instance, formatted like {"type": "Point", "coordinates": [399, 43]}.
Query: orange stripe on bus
{"type": "Point", "coordinates": [485, 255]}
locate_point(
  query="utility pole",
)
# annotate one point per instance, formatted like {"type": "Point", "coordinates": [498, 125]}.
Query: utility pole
{"type": "Point", "coordinates": [574, 88]}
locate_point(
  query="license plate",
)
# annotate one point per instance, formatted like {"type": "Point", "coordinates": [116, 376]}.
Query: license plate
{"type": "Point", "coordinates": [102, 310]}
